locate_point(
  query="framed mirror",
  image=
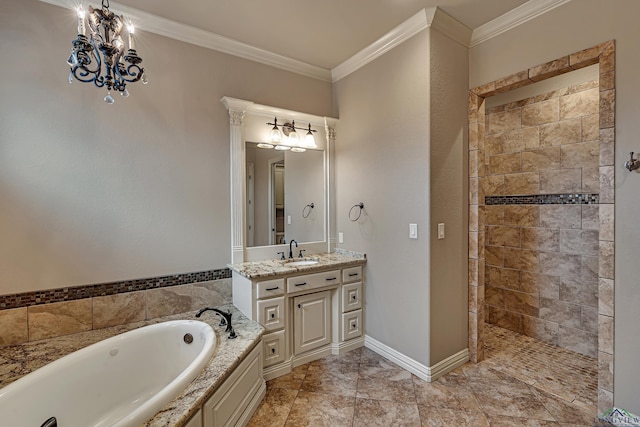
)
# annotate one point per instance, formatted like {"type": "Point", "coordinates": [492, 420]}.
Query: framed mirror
{"type": "Point", "coordinates": [277, 196]}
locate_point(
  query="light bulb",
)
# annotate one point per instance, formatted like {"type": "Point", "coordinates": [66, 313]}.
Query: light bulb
{"type": "Point", "coordinates": [309, 139]}
{"type": "Point", "coordinates": [275, 135]}
{"type": "Point", "coordinates": [109, 99]}
{"type": "Point", "coordinates": [282, 147]}
{"type": "Point", "coordinates": [298, 149]}
{"type": "Point", "coordinates": [265, 145]}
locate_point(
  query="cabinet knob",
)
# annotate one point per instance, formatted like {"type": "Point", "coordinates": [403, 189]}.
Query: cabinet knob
{"type": "Point", "coordinates": [273, 315]}
{"type": "Point", "coordinates": [299, 306]}
{"type": "Point", "coordinates": [353, 297]}
{"type": "Point", "coordinates": [273, 350]}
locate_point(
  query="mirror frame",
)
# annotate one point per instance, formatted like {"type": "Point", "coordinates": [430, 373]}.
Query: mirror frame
{"type": "Point", "coordinates": [238, 108]}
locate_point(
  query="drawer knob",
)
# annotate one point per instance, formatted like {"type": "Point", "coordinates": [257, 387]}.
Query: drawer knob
{"type": "Point", "coordinates": [331, 278]}
{"type": "Point", "coordinates": [273, 289]}
{"type": "Point", "coordinates": [301, 284]}
{"type": "Point", "coordinates": [353, 274]}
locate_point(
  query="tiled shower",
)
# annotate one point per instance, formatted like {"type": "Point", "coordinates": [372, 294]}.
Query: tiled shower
{"type": "Point", "coordinates": [541, 192]}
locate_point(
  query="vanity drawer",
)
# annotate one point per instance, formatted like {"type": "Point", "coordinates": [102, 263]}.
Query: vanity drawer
{"type": "Point", "coordinates": [271, 313]}
{"type": "Point", "coordinates": [351, 325]}
{"type": "Point", "coordinates": [351, 297]}
{"type": "Point", "coordinates": [273, 348]}
{"type": "Point", "coordinates": [270, 288]}
{"type": "Point", "coordinates": [353, 274]}
{"type": "Point", "coordinates": [313, 281]}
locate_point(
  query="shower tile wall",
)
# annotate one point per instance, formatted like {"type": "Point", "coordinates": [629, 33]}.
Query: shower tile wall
{"type": "Point", "coordinates": [542, 259]}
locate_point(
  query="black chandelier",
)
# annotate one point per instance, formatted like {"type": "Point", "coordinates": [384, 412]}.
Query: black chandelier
{"type": "Point", "coordinates": [100, 58]}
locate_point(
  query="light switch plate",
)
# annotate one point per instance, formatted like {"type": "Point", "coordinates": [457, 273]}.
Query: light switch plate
{"type": "Point", "coordinates": [340, 238]}
{"type": "Point", "coordinates": [441, 231]}
{"type": "Point", "coordinates": [288, 219]}
{"type": "Point", "coordinates": [413, 231]}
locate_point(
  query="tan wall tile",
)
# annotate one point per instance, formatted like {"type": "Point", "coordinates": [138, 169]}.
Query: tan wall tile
{"type": "Point", "coordinates": [540, 113]}
{"type": "Point", "coordinates": [579, 104]}
{"type": "Point", "coordinates": [502, 122]}
{"type": "Point", "coordinates": [607, 193]}
{"type": "Point", "coordinates": [504, 236]}
{"type": "Point", "coordinates": [59, 318]}
{"type": "Point", "coordinates": [590, 267]}
{"type": "Point", "coordinates": [521, 259]}
{"type": "Point", "coordinates": [494, 296]}
{"type": "Point", "coordinates": [590, 319]}
{"type": "Point", "coordinates": [494, 255]}
{"type": "Point", "coordinates": [474, 163]}
{"type": "Point", "coordinates": [606, 260]}
{"type": "Point", "coordinates": [504, 278]}
{"type": "Point", "coordinates": [607, 80]}
{"type": "Point", "coordinates": [561, 216]}
{"type": "Point", "coordinates": [212, 293]}
{"type": "Point", "coordinates": [560, 312]}
{"type": "Point", "coordinates": [542, 159]}
{"type": "Point", "coordinates": [522, 183]}
{"type": "Point", "coordinates": [591, 217]}
{"type": "Point", "coordinates": [605, 371]}
{"type": "Point", "coordinates": [505, 319]}
{"type": "Point", "coordinates": [549, 69]}
{"type": "Point", "coordinates": [494, 143]}
{"type": "Point", "coordinates": [590, 128]}
{"type": "Point", "coordinates": [521, 303]}
{"type": "Point", "coordinates": [118, 309]}
{"type": "Point", "coordinates": [485, 90]}
{"type": "Point", "coordinates": [522, 215]}
{"type": "Point", "coordinates": [605, 334]}
{"type": "Point", "coordinates": [565, 265]}
{"type": "Point", "coordinates": [578, 340]}
{"type": "Point", "coordinates": [606, 224]}
{"type": "Point", "coordinates": [585, 57]}
{"type": "Point", "coordinates": [494, 214]}
{"type": "Point", "coordinates": [544, 285]}
{"type": "Point", "coordinates": [167, 301]}
{"type": "Point", "coordinates": [607, 109]}
{"type": "Point", "coordinates": [607, 61]}
{"type": "Point", "coordinates": [559, 133]}
{"type": "Point", "coordinates": [540, 329]}
{"type": "Point", "coordinates": [607, 146]}
{"type": "Point", "coordinates": [504, 163]}
{"type": "Point", "coordinates": [579, 242]}
{"type": "Point", "coordinates": [494, 185]}
{"type": "Point", "coordinates": [581, 155]}
{"type": "Point", "coordinates": [473, 191]}
{"type": "Point", "coordinates": [473, 135]}
{"type": "Point", "coordinates": [513, 81]}
{"type": "Point", "coordinates": [560, 181]}
{"type": "Point", "coordinates": [13, 326]}
{"type": "Point", "coordinates": [578, 292]}
{"type": "Point", "coordinates": [605, 297]}
{"type": "Point", "coordinates": [544, 239]}
{"type": "Point", "coordinates": [591, 180]}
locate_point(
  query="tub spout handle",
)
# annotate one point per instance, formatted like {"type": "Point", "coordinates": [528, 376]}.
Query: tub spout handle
{"type": "Point", "coordinates": [51, 422]}
{"type": "Point", "coordinates": [224, 320]}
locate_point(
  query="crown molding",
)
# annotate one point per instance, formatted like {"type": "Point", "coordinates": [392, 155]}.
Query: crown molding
{"type": "Point", "coordinates": [188, 34]}
{"type": "Point", "coordinates": [432, 17]}
{"type": "Point", "coordinates": [512, 19]}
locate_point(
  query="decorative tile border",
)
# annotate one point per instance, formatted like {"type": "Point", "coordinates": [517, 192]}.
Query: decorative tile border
{"type": "Point", "coordinates": [544, 199]}
{"type": "Point", "coordinates": [27, 299]}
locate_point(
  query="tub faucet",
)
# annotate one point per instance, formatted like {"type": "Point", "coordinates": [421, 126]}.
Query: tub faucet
{"type": "Point", "coordinates": [51, 422]}
{"type": "Point", "coordinates": [291, 248]}
{"type": "Point", "coordinates": [225, 319]}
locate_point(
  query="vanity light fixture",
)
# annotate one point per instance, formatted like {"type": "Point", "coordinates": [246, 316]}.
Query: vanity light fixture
{"type": "Point", "coordinates": [100, 58]}
{"type": "Point", "coordinates": [288, 138]}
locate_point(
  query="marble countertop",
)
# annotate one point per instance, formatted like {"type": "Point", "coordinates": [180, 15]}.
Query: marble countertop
{"type": "Point", "coordinates": [19, 360]}
{"type": "Point", "coordinates": [275, 267]}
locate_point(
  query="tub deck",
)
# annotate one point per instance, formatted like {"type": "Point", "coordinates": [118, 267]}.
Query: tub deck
{"type": "Point", "coordinates": [19, 360]}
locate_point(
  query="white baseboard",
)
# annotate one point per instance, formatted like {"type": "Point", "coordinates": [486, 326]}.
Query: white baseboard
{"type": "Point", "coordinates": [427, 373]}
{"type": "Point", "coordinates": [347, 346]}
{"type": "Point", "coordinates": [310, 356]}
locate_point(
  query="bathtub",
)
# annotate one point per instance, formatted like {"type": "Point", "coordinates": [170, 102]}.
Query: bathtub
{"type": "Point", "coordinates": [121, 381]}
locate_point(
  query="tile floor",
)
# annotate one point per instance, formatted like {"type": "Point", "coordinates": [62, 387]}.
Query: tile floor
{"type": "Point", "coordinates": [522, 382]}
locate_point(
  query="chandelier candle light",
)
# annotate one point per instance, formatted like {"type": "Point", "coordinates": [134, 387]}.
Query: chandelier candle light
{"type": "Point", "coordinates": [288, 138]}
{"type": "Point", "coordinates": [100, 58]}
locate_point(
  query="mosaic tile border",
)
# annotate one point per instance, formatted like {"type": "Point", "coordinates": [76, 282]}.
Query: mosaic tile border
{"type": "Point", "coordinates": [48, 296]}
{"type": "Point", "coordinates": [545, 199]}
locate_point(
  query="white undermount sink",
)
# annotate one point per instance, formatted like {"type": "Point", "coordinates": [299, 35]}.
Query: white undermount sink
{"type": "Point", "coordinates": [302, 262]}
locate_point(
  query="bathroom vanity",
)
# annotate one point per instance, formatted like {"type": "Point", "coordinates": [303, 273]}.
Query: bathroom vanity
{"type": "Point", "coordinates": [308, 311]}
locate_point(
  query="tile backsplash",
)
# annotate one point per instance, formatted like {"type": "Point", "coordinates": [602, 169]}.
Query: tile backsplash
{"type": "Point", "coordinates": [46, 314]}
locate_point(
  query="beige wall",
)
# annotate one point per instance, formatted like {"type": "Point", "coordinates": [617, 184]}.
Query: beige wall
{"type": "Point", "coordinates": [91, 192]}
{"type": "Point", "coordinates": [401, 151]}
{"type": "Point", "coordinates": [574, 26]}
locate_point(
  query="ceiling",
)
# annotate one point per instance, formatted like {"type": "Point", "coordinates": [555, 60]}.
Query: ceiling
{"type": "Point", "coordinates": [323, 33]}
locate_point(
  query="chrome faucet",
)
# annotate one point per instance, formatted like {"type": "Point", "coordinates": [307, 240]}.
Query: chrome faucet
{"type": "Point", "coordinates": [225, 319]}
{"type": "Point", "coordinates": [291, 248]}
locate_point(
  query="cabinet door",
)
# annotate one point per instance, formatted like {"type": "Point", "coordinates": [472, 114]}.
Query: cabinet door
{"type": "Point", "coordinates": [312, 321]}
{"type": "Point", "coordinates": [271, 313]}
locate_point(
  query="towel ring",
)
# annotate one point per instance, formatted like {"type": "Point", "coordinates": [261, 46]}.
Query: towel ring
{"type": "Point", "coordinates": [306, 211]}
{"type": "Point", "coordinates": [360, 207]}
